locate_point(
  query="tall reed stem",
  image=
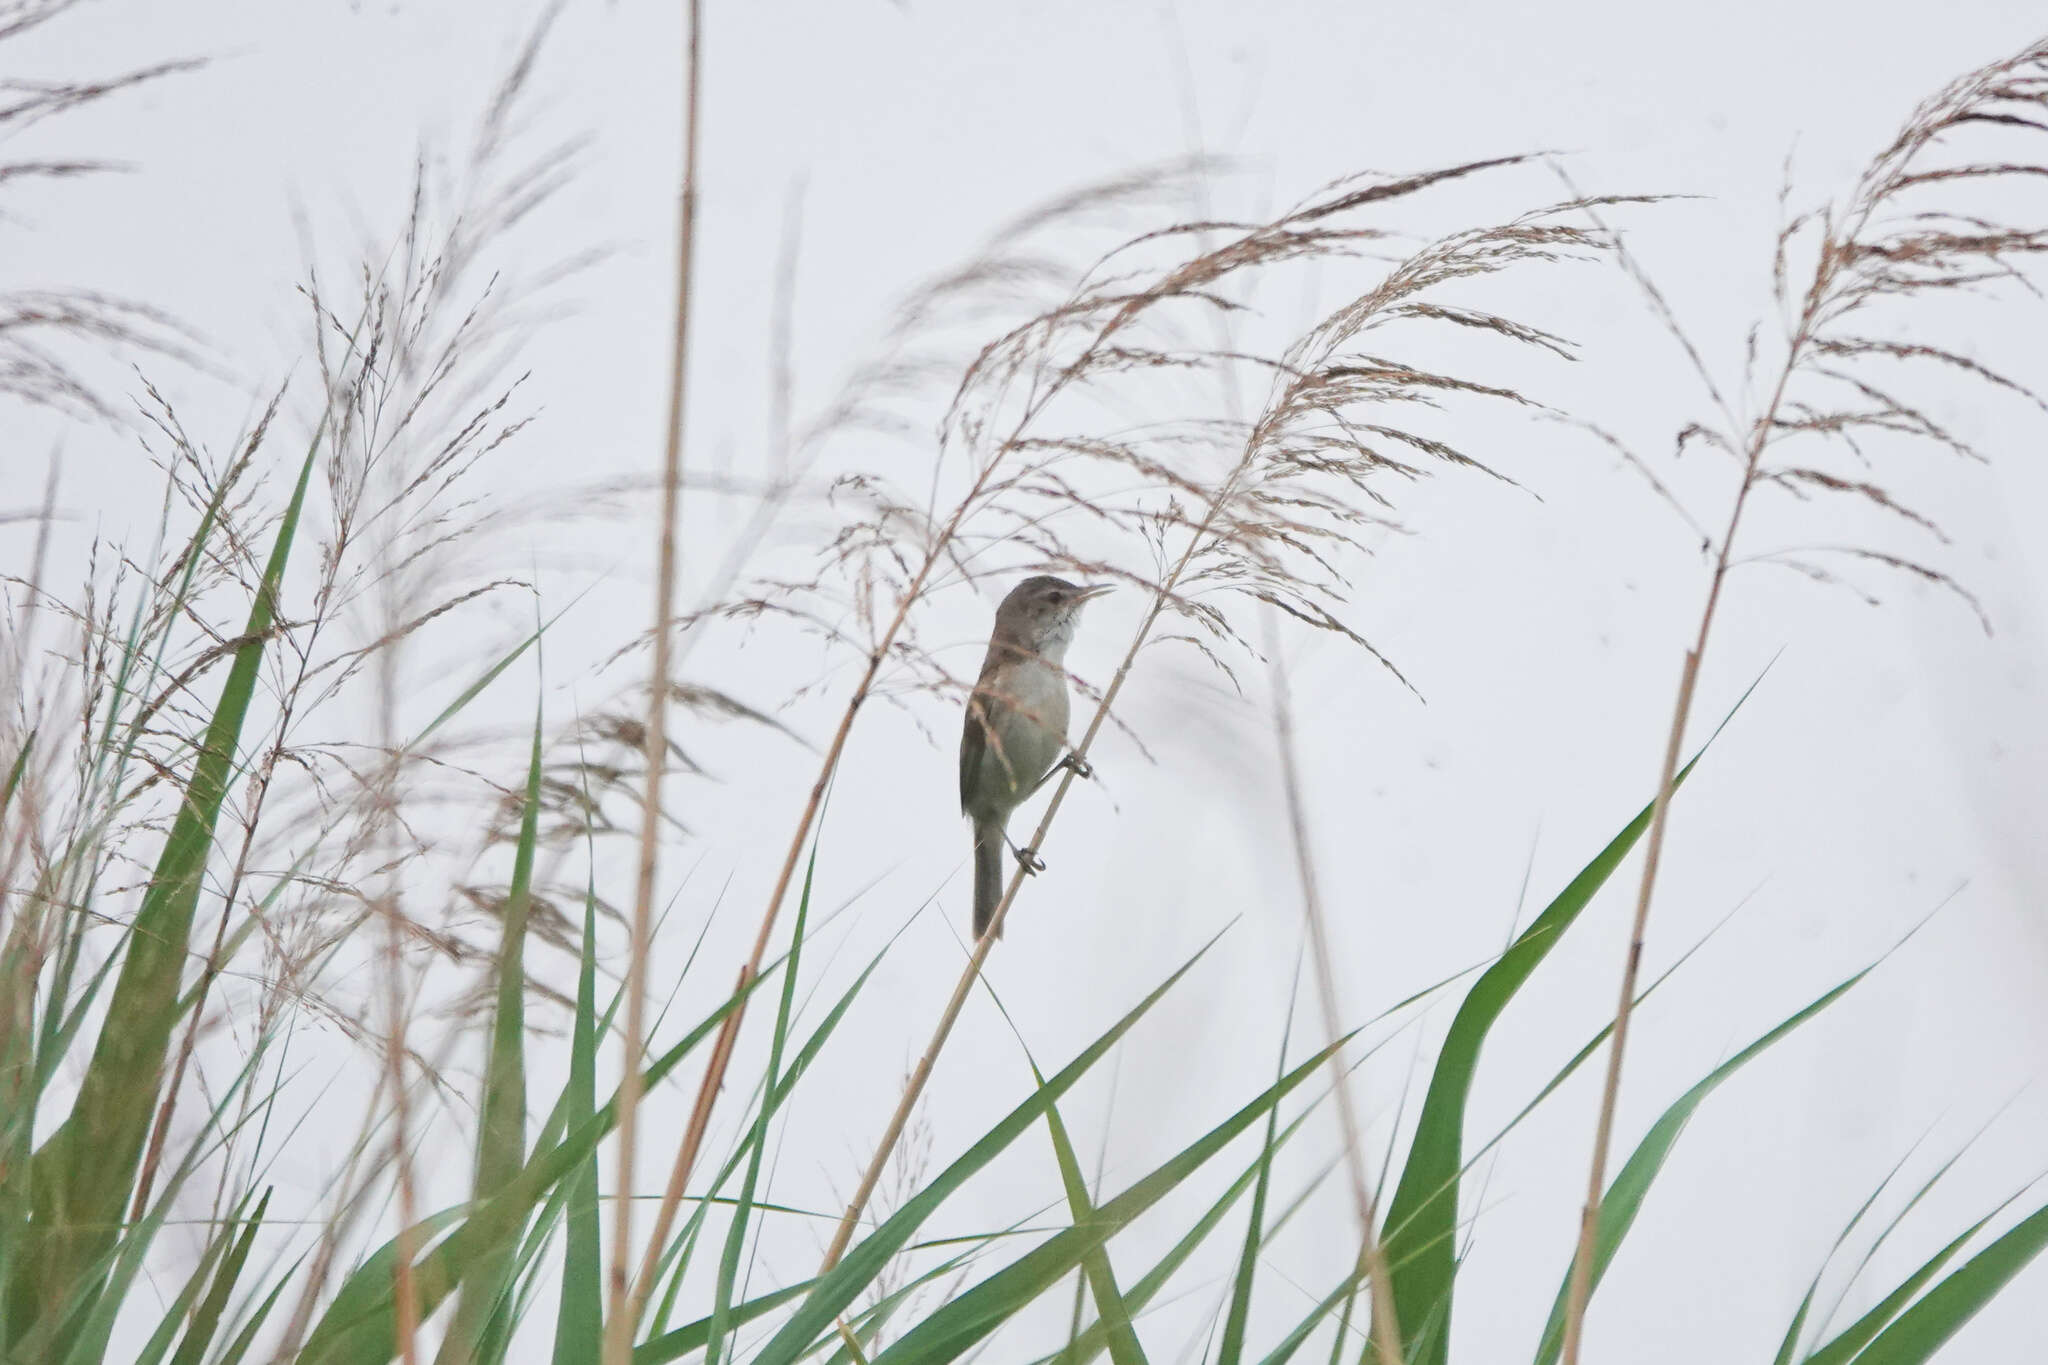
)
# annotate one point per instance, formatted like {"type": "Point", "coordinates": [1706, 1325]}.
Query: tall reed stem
{"type": "Point", "coordinates": [1387, 1332]}
{"type": "Point", "coordinates": [1371, 1257]}
{"type": "Point", "coordinates": [405, 1287]}
{"type": "Point", "coordinates": [1581, 1287]}
{"type": "Point", "coordinates": [721, 1053]}
{"type": "Point", "coordinates": [620, 1322]}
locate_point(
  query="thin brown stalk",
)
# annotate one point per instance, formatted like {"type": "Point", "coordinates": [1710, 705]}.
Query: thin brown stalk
{"type": "Point", "coordinates": [913, 1088]}
{"type": "Point", "coordinates": [1868, 252]}
{"type": "Point", "coordinates": [20, 953]}
{"type": "Point", "coordinates": [260, 790]}
{"type": "Point", "coordinates": [1314, 383]}
{"type": "Point", "coordinates": [406, 1291]}
{"type": "Point", "coordinates": [722, 1050]}
{"type": "Point", "coordinates": [1653, 855]}
{"type": "Point", "coordinates": [1385, 1327]}
{"type": "Point", "coordinates": [405, 1287]}
{"type": "Point", "coordinates": [622, 1316]}
{"type": "Point", "coordinates": [728, 1032]}
{"type": "Point", "coordinates": [1371, 1256]}
{"type": "Point", "coordinates": [1581, 1287]}
{"type": "Point", "coordinates": [1286, 442]}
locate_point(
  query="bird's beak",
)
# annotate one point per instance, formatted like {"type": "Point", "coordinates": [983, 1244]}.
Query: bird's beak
{"type": "Point", "coordinates": [1089, 594]}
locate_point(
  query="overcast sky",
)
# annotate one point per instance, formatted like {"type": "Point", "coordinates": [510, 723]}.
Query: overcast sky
{"type": "Point", "coordinates": [1894, 761]}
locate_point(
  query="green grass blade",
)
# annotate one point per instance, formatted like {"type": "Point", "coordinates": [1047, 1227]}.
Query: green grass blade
{"type": "Point", "coordinates": [675, 1257]}
{"type": "Point", "coordinates": [490, 675]}
{"type": "Point", "coordinates": [358, 1327]}
{"type": "Point", "coordinates": [967, 1320]}
{"type": "Point", "coordinates": [873, 1253]}
{"type": "Point", "coordinates": [159, 1344]}
{"type": "Point", "coordinates": [579, 1322]}
{"type": "Point", "coordinates": [1340, 1297]}
{"type": "Point", "coordinates": [360, 1323]}
{"type": "Point", "coordinates": [1112, 1313]}
{"type": "Point", "coordinates": [501, 1139]}
{"type": "Point", "coordinates": [76, 1327]}
{"type": "Point", "coordinates": [684, 1340]}
{"type": "Point", "coordinates": [206, 1322]}
{"type": "Point", "coordinates": [80, 1180]}
{"type": "Point", "coordinates": [1422, 1216]}
{"type": "Point", "coordinates": [1788, 1347]}
{"type": "Point", "coordinates": [1438, 1312]}
{"type": "Point", "coordinates": [501, 1126]}
{"type": "Point", "coordinates": [15, 771]}
{"type": "Point", "coordinates": [867, 1324]}
{"type": "Point", "coordinates": [736, 1230]}
{"type": "Point", "coordinates": [238, 1350]}
{"type": "Point", "coordinates": [1864, 1330]}
{"type": "Point", "coordinates": [1232, 1348]}
{"type": "Point", "coordinates": [1922, 1329]}
{"type": "Point", "coordinates": [1092, 1341]}
{"type": "Point", "coordinates": [1624, 1197]}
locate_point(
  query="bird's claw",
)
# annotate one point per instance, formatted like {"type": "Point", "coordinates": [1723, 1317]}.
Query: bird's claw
{"type": "Point", "coordinates": [1078, 766]}
{"type": "Point", "coordinates": [1028, 859]}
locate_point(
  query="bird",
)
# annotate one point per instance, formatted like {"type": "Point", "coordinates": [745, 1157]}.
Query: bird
{"type": "Point", "coordinates": [1016, 724]}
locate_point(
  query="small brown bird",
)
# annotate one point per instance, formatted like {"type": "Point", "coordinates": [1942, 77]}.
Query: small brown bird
{"type": "Point", "coordinates": [1017, 723]}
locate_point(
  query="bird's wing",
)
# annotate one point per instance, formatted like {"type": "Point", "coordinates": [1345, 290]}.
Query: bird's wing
{"type": "Point", "coordinates": [973, 748]}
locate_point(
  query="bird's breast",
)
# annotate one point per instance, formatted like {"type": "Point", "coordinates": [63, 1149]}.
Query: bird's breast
{"type": "Point", "coordinates": [1026, 706]}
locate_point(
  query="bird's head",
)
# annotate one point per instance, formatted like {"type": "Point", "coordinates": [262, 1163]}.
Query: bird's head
{"type": "Point", "coordinates": [1041, 612]}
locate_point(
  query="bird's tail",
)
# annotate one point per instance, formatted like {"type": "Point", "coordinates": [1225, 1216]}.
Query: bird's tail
{"type": "Point", "coordinates": [988, 875]}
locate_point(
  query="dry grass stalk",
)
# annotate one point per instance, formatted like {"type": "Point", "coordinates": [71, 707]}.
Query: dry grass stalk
{"type": "Point", "coordinates": [1296, 491]}
{"type": "Point", "coordinates": [409, 406]}
{"type": "Point", "coordinates": [1273, 544]}
{"type": "Point", "coordinates": [413, 398]}
{"type": "Point", "coordinates": [628, 1297]}
{"type": "Point", "coordinates": [1386, 1330]}
{"type": "Point", "coordinates": [1886, 246]}
{"type": "Point", "coordinates": [1371, 1256]}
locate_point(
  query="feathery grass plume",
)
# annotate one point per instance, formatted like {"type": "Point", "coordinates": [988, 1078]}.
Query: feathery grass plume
{"type": "Point", "coordinates": [336, 813]}
{"type": "Point", "coordinates": [1934, 215]}
{"type": "Point", "coordinates": [422, 385]}
{"type": "Point", "coordinates": [413, 398]}
{"type": "Point", "coordinates": [1272, 525]}
{"type": "Point", "coordinates": [50, 338]}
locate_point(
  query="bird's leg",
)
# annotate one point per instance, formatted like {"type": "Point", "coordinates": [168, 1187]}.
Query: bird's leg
{"type": "Point", "coordinates": [1027, 858]}
{"type": "Point", "coordinates": [1070, 762]}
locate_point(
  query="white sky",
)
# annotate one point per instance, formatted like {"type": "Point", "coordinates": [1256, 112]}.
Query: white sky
{"type": "Point", "coordinates": [1892, 755]}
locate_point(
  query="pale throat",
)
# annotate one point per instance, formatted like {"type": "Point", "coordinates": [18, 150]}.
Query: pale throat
{"type": "Point", "coordinates": [1048, 646]}
{"type": "Point", "coordinates": [1052, 646]}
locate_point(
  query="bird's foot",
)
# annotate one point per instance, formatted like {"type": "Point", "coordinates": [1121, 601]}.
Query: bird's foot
{"type": "Point", "coordinates": [1028, 859]}
{"type": "Point", "coordinates": [1078, 766]}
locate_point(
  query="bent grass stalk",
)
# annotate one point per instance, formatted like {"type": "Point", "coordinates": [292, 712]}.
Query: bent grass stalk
{"type": "Point", "coordinates": [1298, 233]}
{"type": "Point", "coordinates": [1318, 380]}
{"type": "Point", "coordinates": [935, 554]}
{"type": "Point", "coordinates": [1371, 1258]}
{"type": "Point", "coordinates": [1653, 854]}
{"type": "Point", "coordinates": [1862, 257]}
{"type": "Point", "coordinates": [1386, 1333]}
